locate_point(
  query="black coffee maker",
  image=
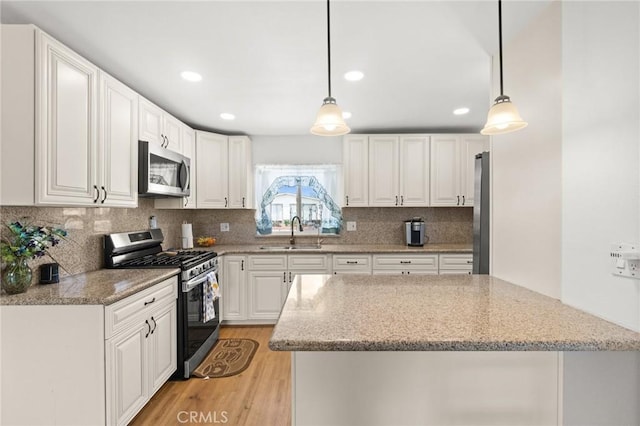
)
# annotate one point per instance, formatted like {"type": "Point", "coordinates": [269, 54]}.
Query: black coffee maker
{"type": "Point", "coordinates": [414, 232]}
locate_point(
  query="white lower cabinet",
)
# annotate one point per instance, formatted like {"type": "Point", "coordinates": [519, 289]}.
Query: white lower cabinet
{"type": "Point", "coordinates": [351, 264]}
{"type": "Point", "coordinates": [452, 264]}
{"type": "Point", "coordinates": [96, 364]}
{"type": "Point", "coordinates": [233, 283]}
{"type": "Point", "coordinates": [141, 355]}
{"type": "Point", "coordinates": [270, 277]}
{"type": "Point", "coordinates": [401, 264]}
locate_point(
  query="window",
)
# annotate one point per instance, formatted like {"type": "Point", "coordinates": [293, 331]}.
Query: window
{"type": "Point", "coordinates": [309, 192]}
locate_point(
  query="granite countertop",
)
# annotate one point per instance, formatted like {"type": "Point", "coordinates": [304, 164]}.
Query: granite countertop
{"type": "Point", "coordinates": [435, 313]}
{"type": "Point", "coordinates": [102, 287]}
{"type": "Point", "coordinates": [336, 248]}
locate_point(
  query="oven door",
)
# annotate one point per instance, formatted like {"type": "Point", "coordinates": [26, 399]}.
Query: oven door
{"type": "Point", "coordinates": [196, 336]}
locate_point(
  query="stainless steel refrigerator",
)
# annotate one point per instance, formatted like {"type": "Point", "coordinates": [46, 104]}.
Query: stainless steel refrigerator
{"type": "Point", "coordinates": [481, 215]}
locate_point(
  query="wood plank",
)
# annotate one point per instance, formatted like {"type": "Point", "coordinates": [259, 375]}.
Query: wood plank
{"type": "Point", "coordinates": [260, 395]}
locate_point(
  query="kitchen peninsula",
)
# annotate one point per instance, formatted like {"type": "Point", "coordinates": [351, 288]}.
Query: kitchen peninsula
{"type": "Point", "coordinates": [441, 350]}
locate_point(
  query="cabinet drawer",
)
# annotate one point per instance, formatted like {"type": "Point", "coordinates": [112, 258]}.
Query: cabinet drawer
{"type": "Point", "coordinates": [308, 262]}
{"type": "Point", "coordinates": [456, 261]}
{"type": "Point", "coordinates": [267, 262]}
{"type": "Point", "coordinates": [127, 311]}
{"type": "Point", "coordinates": [359, 263]}
{"type": "Point", "coordinates": [406, 262]}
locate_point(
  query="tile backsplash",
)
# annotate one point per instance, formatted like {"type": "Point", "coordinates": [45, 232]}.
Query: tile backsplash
{"type": "Point", "coordinates": [86, 226]}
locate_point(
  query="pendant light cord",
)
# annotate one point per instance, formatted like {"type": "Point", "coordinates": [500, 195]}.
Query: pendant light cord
{"type": "Point", "coordinates": [500, 42]}
{"type": "Point", "coordinates": [329, 47]}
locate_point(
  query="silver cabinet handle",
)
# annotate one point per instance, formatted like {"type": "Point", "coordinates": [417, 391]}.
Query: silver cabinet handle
{"type": "Point", "coordinates": [148, 303]}
{"type": "Point", "coordinates": [242, 265]}
{"type": "Point", "coordinates": [284, 277]}
{"type": "Point", "coordinates": [352, 262]}
{"type": "Point", "coordinates": [95, 200]}
{"type": "Point", "coordinates": [154, 325]}
{"type": "Point", "coordinates": [396, 200]}
{"type": "Point", "coordinates": [458, 203]}
{"type": "Point", "coordinates": [226, 201]}
{"type": "Point", "coordinates": [289, 276]}
{"type": "Point", "coordinates": [469, 262]}
{"type": "Point", "coordinates": [402, 200]}
{"type": "Point", "coordinates": [347, 197]}
{"type": "Point", "coordinates": [105, 195]}
{"type": "Point", "coordinates": [148, 325]}
{"type": "Point", "coordinates": [243, 202]}
{"type": "Point", "coordinates": [405, 262]}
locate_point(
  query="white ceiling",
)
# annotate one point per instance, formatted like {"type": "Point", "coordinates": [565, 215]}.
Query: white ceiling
{"type": "Point", "coordinates": [265, 61]}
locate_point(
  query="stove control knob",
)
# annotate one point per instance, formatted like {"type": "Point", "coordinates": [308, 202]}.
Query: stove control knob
{"type": "Point", "coordinates": [192, 273]}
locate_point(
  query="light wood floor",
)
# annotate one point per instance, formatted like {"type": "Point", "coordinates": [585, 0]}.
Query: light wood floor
{"type": "Point", "coordinates": [260, 395]}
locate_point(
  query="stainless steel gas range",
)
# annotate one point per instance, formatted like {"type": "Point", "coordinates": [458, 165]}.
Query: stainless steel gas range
{"type": "Point", "coordinates": [143, 249]}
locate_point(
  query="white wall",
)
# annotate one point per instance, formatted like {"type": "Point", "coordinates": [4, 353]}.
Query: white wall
{"type": "Point", "coordinates": [304, 149]}
{"type": "Point", "coordinates": [526, 165]}
{"type": "Point", "coordinates": [601, 154]}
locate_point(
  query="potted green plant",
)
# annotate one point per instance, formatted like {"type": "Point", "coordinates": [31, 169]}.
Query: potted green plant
{"type": "Point", "coordinates": [21, 243]}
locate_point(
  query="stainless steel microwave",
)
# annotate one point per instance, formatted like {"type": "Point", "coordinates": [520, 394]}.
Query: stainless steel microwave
{"type": "Point", "coordinates": [162, 172]}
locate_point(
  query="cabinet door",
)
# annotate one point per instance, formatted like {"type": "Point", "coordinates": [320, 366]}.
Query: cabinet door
{"type": "Point", "coordinates": [356, 171]}
{"type": "Point", "coordinates": [234, 288]}
{"type": "Point", "coordinates": [267, 293]}
{"type": "Point", "coordinates": [211, 158]}
{"type": "Point", "coordinates": [66, 135]}
{"type": "Point", "coordinates": [118, 143]}
{"type": "Point", "coordinates": [162, 346]}
{"type": "Point", "coordinates": [414, 171]}
{"type": "Point", "coordinates": [150, 122]}
{"type": "Point", "coordinates": [240, 182]}
{"type": "Point", "coordinates": [471, 145]}
{"type": "Point", "coordinates": [383, 171]}
{"type": "Point", "coordinates": [445, 174]}
{"type": "Point", "coordinates": [171, 130]}
{"type": "Point", "coordinates": [127, 374]}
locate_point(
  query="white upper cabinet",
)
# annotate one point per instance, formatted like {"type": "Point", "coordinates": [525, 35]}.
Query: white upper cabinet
{"type": "Point", "coordinates": [67, 125]}
{"type": "Point", "coordinates": [224, 175]}
{"type": "Point", "coordinates": [240, 172]}
{"type": "Point", "coordinates": [118, 143]}
{"type": "Point", "coordinates": [452, 168]}
{"type": "Point", "coordinates": [414, 171]}
{"type": "Point", "coordinates": [69, 130]}
{"type": "Point", "coordinates": [384, 183]}
{"type": "Point", "coordinates": [160, 127]}
{"type": "Point", "coordinates": [212, 172]}
{"type": "Point", "coordinates": [399, 170]}
{"type": "Point", "coordinates": [356, 170]}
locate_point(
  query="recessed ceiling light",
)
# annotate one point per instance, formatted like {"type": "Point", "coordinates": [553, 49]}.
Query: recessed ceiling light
{"type": "Point", "coordinates": [191, 76]}
{"type": "Point", "coordinates": [461, 111]}
{"type": "Point", "coordinates": [227, 116]}
{"type": "Point", "coordinates": [354, 75]}
{"type": "Point", "coordinates": [346, 114]}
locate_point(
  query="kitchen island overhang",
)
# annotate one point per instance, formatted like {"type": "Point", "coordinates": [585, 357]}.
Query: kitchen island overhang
{"type": "Point", "coordinates": [446, 350]}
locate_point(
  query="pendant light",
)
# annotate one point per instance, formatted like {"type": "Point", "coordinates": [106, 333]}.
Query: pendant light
{"type": "Point", "coordinates": [503, 116]}
{"type": "Point", "coordinates": [329, 121]}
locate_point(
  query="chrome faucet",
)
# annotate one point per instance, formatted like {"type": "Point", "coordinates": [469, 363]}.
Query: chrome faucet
{"type": "Point", "coordinates": [292, 240]}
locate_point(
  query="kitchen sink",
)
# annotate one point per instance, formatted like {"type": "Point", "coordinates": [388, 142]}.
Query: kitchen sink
{"type": "Point", "coordinates": [293, 247]}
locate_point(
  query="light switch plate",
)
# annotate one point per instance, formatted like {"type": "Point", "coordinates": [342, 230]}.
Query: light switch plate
{"type": "Point", "coordinates": [351, 226]}
{"type": "Point", "coordinates": [224, 227]}
{"type": "Point", "coordinates": [625, 260]}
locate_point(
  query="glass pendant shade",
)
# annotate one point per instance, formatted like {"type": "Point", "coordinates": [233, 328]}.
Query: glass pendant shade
{"type": "Point", "coordinates": [503, 117]}
{"type": "Point", "coordinates": [329, 121]}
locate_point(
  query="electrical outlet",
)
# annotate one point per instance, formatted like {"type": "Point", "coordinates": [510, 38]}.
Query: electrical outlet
{"type": "Point", "coordinates": [351, 226]}
{"type": "Point", "coordinates": [625, 260]}
{"type": "Point", "coordinates": [224, 227]}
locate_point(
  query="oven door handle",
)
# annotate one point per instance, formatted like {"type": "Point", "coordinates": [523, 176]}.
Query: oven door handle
{"type": "Point", "coordinates": [189, 285]}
